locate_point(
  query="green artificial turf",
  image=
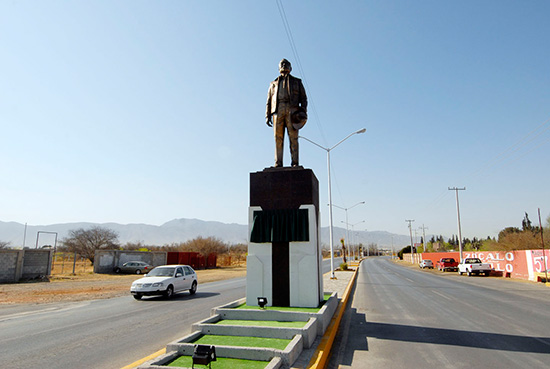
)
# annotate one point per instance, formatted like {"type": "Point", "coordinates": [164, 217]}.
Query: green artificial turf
{"type": "Point", "coordinates": [220, 363]}
{"type": "Point", "coordinates": [242, 341]}
{"type": "Point", "coordinates": [263, 323]}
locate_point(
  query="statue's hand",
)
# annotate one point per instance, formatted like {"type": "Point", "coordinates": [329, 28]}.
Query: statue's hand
{"type": "Point", "coordinates": [268, 122]}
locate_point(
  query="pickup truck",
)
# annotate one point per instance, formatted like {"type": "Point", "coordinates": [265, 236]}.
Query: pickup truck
{"type": "Point", "coordinates": [474, 266]}
{"type": "Point", "coordinates": [447, 264]}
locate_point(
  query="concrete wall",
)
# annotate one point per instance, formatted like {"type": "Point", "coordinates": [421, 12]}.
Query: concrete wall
{"type": "Point", "coordinates": [106, 260]}
{"type": "Point", "coordinates": [16, 265]}
{"type": "Point", "coordinates": [519, 264]}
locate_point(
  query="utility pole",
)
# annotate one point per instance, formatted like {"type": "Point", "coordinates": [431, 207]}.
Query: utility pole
{"type": "Point", "coordinates": [543, 252]}
{"type": "Point", "coordinates": [412, 245]}
{"type": "Point", "coordinates": [456, 189]}
{"type": "Point", "coordinates": [424, 243]}
{"type": "Point", "coordinates": [25, 236]}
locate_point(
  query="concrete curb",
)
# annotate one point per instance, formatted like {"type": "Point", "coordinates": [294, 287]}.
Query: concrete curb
{"type": "Point", "coordinates": [320, 357]}
{"type": "Point", "coordinates": [318, 323]}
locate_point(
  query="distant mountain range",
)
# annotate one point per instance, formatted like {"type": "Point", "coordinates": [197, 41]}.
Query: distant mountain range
{"type": "Point", "coordinates": [177, 230]}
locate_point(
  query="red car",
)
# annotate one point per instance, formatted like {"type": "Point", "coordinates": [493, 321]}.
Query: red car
{"type": "Point", "coordinates": [447, 264]}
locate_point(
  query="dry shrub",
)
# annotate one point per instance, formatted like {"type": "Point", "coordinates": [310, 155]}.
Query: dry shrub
{"type": "Point", "coordinates": [525, 240]}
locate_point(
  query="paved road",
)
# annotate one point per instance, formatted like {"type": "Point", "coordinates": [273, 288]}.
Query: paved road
{"type": "Point", "coordinates": [402, 317]}
{"type": "Point", "coordinates": [105, 333]}
{"type": "Point", "coordinates": [108, 333]}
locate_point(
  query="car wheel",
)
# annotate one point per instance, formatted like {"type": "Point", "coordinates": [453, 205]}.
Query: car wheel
{"type": "Point", "coordinates": [138, 296]}
{"type": "Point", "coordinates": [193, 288]}
{"type": "Point", "coordinates": [138, 271]}
{"type": "Point", "coordinates": [460, 273]}
{"type": "Point", "coordinates": [169, 292]}
{"type": "Point", "coordinates": [469, 273]}
{"type": "Point", "coordinates": [117, 270]}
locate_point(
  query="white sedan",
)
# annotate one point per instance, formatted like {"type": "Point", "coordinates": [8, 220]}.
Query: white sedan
{"type": "Point", "coordinates": [165, 280]}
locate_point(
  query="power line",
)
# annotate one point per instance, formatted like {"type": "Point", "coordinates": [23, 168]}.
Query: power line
{"type": "Point", "coordinates": [505, 155]}
{"type": "Point", "coordinates": [520, 144]}
{"type": "Point", "coordinates": [294, 49]}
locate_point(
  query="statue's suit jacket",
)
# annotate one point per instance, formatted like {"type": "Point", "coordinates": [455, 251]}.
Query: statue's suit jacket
{"type": "Point", "coordinates": [297, 95]}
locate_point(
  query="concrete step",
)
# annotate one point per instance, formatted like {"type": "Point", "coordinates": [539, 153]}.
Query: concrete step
{"type": "Point", "coordinates": [209, 326]}
{"type": "Point", "coordinates": [316, 325]}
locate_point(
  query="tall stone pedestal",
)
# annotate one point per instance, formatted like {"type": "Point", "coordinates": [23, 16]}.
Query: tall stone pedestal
{"type": "Point", "coordinates": [284, 257]}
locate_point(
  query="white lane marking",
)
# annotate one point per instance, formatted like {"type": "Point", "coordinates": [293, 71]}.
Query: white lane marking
{"type": "Point", "coordinates": [42, 311]}
{"type": "Point", "coordinates": [442, 295]}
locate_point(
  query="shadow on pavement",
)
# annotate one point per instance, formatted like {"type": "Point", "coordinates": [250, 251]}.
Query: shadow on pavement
{"type": "Point", "coordinates": [440, 336]}
{"type": "Point", "coordinates": [181, 296]}
{"type": "Point", "coordinates": [355, 332]}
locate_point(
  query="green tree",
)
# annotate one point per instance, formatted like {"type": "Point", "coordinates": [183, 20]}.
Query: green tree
{"type": "Point", "coordinates": [404, 250]}
{"type": "Point", "coordinates": [507, 231]}
{"type": "Point", "coordinates": [526, 223]}
{"type": "Point", "coordinates": [86, 241]}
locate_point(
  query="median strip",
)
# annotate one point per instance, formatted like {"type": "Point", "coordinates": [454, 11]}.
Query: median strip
{"type": "Point", "coordinates": [320, 358]}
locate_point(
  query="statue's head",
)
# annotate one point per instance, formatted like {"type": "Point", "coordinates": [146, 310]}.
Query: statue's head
{"type": "Point", "coordinates": [285, 67]}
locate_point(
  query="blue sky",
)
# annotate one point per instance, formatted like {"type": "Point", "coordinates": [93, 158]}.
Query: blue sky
{"type": "Point", "coordinates": [146, 111]}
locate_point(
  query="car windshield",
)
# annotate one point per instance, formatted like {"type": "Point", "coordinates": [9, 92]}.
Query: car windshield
{"type": "Point", "coordinates": [474, 261]}
{"type": "Point", "coordinates": [161, 272]}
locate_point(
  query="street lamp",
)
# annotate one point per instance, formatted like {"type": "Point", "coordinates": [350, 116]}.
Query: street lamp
{"type": "Point", "coordinates": [352, 237]}
{"type": "Point", "coordinates": [352, 232]}
{"type": "Point", "coordinates": [346, 222]}
{"type": "Point", "coordinates": [328, 150]}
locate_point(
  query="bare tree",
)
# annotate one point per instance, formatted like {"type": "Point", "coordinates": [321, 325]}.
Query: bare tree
{"type": "Point", "coordinates": [204, 246]}
{"type": "Point", "coordinates": [4, 245]}
{"type": "Point", "coordinates": [85, 242]}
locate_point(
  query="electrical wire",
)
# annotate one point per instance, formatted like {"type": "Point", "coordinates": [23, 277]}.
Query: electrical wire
{"type": "Point", "coordinates": [294, 49]}
{"type": "Point", "coordinates": [507, 155]}
{"type": "Point", "coordinates": [511, 150]}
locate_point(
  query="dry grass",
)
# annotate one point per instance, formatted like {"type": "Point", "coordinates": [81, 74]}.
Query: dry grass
{"type": "Point", "coordinates": [86, 285]}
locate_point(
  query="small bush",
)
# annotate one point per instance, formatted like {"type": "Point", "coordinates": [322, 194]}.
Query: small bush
{"type": "Point", "coordinates": [344, 266]}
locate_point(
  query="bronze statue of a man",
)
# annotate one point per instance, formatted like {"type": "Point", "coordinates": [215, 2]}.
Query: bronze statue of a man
{"type": "Point", "coordinates": [286, 108]}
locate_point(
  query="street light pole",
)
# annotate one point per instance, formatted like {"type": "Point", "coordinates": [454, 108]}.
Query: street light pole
{"type": "Point", "coordinates": [328, 150]}
{"type": "Point", "coordinates": [353, 234]}
{"type": "Point", "coordinates": [346, 222]}
{"type": "Point", "coordinates": [351, 243]}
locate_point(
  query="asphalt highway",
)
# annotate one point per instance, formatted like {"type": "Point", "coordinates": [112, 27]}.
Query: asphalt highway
{"type": "Point", "coordinates": [402, 317]}
{"type": "Point", "coordinates": [109, 333]}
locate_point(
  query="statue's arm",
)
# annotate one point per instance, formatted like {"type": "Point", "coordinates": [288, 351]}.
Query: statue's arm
{"type": "Point", "coordinates": [268, 106]}
{"type": "Point", "coordinates": [303, 97]}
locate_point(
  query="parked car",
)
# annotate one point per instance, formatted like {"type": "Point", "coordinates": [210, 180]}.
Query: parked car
{"type": "Point", "coordinates": [474, 266]}
{"type": "Point", "coordinates": [426, 264]}
{"type": "Point", "coordinates": [166, 280]}
{"type": "Point", "coordinates": [541, 276]}
{"type": "Point", "coordinates": [445, 264]}
{"type": "Point", "coordinates": [137, 267]}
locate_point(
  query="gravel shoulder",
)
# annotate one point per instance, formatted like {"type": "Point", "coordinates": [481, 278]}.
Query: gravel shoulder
{"type": "Point", "coordinates": [90, 286]}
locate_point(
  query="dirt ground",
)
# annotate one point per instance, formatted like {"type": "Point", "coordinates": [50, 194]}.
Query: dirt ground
{"type": "Point", "coordinates": [90, 286]}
